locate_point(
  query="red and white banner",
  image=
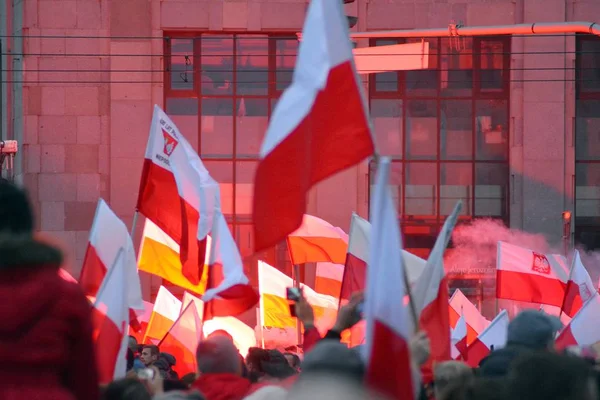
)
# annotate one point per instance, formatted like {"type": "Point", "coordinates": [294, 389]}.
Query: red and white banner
{"type": "Point", "coordinates": [583, 328]}
{"type": "Point", "coordinates": [388, 328]}
{"type": "Point", "coordinates": [228, 290]}
{"type": "Point", "coordinates": [524, 275]}
{"type": "Point", "coordinates": [177, 193]}
{"type": "Point", "coordinates": [458, 338]}
{"type": "Point", "coordinates": [494, 336]}
{"type": "Point", "coordinates": [461, 306]}
{"type": "Point", "coordinates": [166, 309]}
{"type": "Point", "coordinates": [120, 290]}
{"type": "Point", "coordinates": [579, 288]}
{"type": "Point", "coordinates": [312, 135]}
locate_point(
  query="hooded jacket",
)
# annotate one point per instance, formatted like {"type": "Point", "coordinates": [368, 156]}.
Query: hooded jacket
{"type": "Point", "coordinates": [45, 327]}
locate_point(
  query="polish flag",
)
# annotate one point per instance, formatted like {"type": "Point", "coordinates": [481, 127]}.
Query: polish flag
{"type": "Point", "coordinates": [182, 339]}
{"type": "Point", "coordinates": [579, 288]}
{"type": "Point", "coordinates": [582, 330]}
{"type": "Point", "coordinates": [177, 193]}
{"type": "Point", "coordinates": [312, 135]}
{"type": "Point", "coordinates": [317, 240]}
{"type": "Point", "coordinates": [388, 327]}
{"type": "Point", "coordinates": [524, 275]}
{"type": "Point", "coordinates": [328, 279]}
{"type": "Point", "coordinates": [228, 290]}
{"type": "Point", "coordinates": [110, 315]}
{"type": "Point", "coordinates": [108, 236]}
{"type": "Point", "coordinates": [493, 336]}
{"type": "Point", "coordinates": [358, 253]}
{"type": "Point", "coordinates": [459, 339]}
{"type": "Point", "coordinates": [460, 306]}
{"type": "Point", "coordinates": [165, 313]}
{"type": "Point", "coordinates": [243, 336]}
{"type": "Point", "coordinates": [430, 297]}
{"type": "Point", "coordinates": [143, 318]}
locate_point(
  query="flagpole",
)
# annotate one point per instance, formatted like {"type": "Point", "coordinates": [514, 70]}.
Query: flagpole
{"type": "Point", "coordinates": [134, 223]}
{"type": "Point", "coordinates": [108, 275]}
{"type": "Point", "coordinates": [297, 285]}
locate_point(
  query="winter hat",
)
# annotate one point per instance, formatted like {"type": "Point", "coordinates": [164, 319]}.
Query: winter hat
{"type": "Point", "coordinates": [332, 357]}
{"type": "Point", "coordinates": [268, 393]}
{"type": "Point", "coordinates": [16, 215]}
{"type": "Point", "coordinates": [533, 329]}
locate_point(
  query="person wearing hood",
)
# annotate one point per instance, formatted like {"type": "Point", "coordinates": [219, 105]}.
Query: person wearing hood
{"type": "Point", "coordinates": [46, 329]}
{"type": "Point", "coordinates": [530, 331]}
{"type": "Point", "coordinates": [220, 371]}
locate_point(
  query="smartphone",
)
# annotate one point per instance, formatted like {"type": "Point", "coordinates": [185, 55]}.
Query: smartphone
{"type": "Point", "coordinates": [293, 293]}
{"type": "Point", "coordinates": [146, 374]}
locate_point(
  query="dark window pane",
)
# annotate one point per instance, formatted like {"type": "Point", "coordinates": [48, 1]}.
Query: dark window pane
{"type": "Point", "coordinates": [456, 182]}
{"type": "Point", "coordinates": [421, 129]}
{"type": "Point", "coordinates": [182, 64]}
{"type": "Point", "coordinates": [421, 190]}
{"type": "Point", "coordinates": [387, 123]}
{"type": "Point", "coordinates": [244, 189]}
{"type": "Point", "coordinates": [216, 128]}
{"type": "Point", "coordinates": [252, 64]}
{"type": "Point", "coordinates": [587, 138]}
{"type": "Point", "coordinates": [395, 182]}
{"type": "Point", "coordinates": [457, 67]}
{"type": "Point", "coordinates": [222, 172]}
{"type": "Point", "coordinates": [492, 130]}
{"type": "Point", "coordinates": [386, 81]}
{"type": "Point", "coordinates": [456, 127]}
{"type": "Point", "coordinates": [251, 126]}
{"type": "Point", "coordinates": [589, 66]}
{"type": "Point", "coordinates": [285, 53]}
{"type": "Point", "coordinates": [491, 188]}
{"type": "Point", "coordinates": [216, 69]}
{"type": "Point", "coordinates": [492, 65]}
{"type": "Point", "coordinates": [424, 82]}
{"type": "Point", "coordinates": [184, 113]}
{"type": "Point", "coordinates": [587, 191]}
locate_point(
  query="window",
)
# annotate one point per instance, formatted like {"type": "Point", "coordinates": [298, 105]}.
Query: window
{"type": "Point", "coordinates": [446, 130]}
{"type": "Point", "coordinates": [221, 90]}
{"type": "Point", "coordinates": [587, 143]}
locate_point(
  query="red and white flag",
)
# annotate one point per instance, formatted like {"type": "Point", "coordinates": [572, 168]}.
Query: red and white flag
{"type": "Point", "coordinates": [177, 193]}
{"type": "Point", "coordinates": [524, 275]}
{"type": "Point", "coordinates": [430, 296]}
{"type": "Point", "coordinates": [459, 339]}
{"type": "Point", "coordinates": [182, 339]}
{"type": "Point", "coordinates": [460, 306]}
{"type": "Point", "coordinates": [388, 327]}
{"type": "Point", "coordinates": [228, 290]}
{"type": "Point", "coordinates": [110, 315]}
{"type": "Point", "coordinates": [166, 309]}
{"type": "Point", "coordinates": [493, 337]}
{"type": "Point", "coordinates": [312, 135]}
{"type": "Point", "coordinates": [108, 236]}
{"type": "Point", "coordinates": [579, 288]}
{"type": "Point", "coordinates": [582, 330]}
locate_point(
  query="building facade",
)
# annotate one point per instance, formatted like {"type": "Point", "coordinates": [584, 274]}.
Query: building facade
{"type": "Point", "coordinates": [508, 124]}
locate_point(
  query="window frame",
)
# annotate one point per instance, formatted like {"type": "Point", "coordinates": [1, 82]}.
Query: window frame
{"type": "Point", "coordinates": [474, 97]}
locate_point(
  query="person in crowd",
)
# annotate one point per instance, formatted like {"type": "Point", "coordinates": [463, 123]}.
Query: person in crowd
{"type": "Point", "coordinates": [475, 389]}
{"type": "Point", "coordinates": [530, 330]}
{"type": "Point", "coordinates": [268, 365]}
{"type": "Point", "coordinates": [149, 354]}
{"type": "Point", "coordinates": [179, 395]}
{"type": "Point", "coordinates": [450, 372]}
{"type": "Point", "coordinates": [268, 393]}
{"type": "Point", "coordinates": [132, 343]}
{"type": "Point", "coordinates": [225, 334]}
{"type": "Point", "coordinates": [546, 375]}
{"type": "Point", "coordinates": [188, 379]}
{"type": "Point", "coordinates": [126, 389]}
{"type": "Point", "coordinates": [293, 360]}
{"type": "Point", "coordinates": [46, 329]}
{"type": "Point", "coordinates": [220, 371]}
{"type": "Point", "coordinates": [165, 364]}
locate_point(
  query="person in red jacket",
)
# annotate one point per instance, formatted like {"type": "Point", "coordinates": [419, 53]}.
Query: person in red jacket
{"type": "Point", "coordinates": [45, 321]}
{"type": "Point", "coordinates": [220, 371]}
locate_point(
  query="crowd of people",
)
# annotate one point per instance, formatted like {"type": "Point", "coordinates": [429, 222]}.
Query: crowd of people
{"type": "Point", "coordinates": [46, 342]}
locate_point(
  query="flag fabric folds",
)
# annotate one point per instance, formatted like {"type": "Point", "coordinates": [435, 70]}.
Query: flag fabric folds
{"type": "Point", "coordinates": [317, 240]}
{"type": "Point", "coordinates": [388, 328]}
{"type": "Point", "coordinates": [460, 305]}
{"type": "Point", "coordinates": [579, 287]}
{"type": "Point", "coordinates": [494, 336]}
{"type": "Point", "coordinates": [459, 339]}
{"type": "Point", "coordinates": [311, 134]}
{"type": "Point", "coordinates": [525, 275]}
{"type": "Point", "coordinates": [228, 290]}
{"type": "Point", "coordinates": [582, 330]}
{"type": "Point", "coordinates": [164, 314]}
{"type": "Point", "coordinates": [328, 279]}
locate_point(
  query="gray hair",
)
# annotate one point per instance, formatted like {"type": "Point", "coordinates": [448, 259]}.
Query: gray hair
{"type": "Point", "coordinates": [218, 355]}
